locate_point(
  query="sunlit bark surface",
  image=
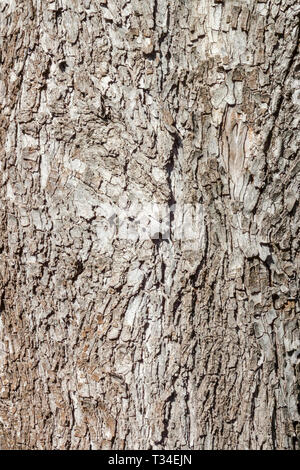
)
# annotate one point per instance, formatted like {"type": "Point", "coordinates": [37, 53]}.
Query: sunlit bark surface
{"type": "Point", "coordinates": [113, 341]}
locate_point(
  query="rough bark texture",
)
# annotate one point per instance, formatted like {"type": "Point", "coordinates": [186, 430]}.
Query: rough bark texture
{"type": "Point", "coordinates": [115, 343]}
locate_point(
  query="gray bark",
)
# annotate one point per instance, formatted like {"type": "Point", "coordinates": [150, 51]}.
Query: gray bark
{"type": "Point", "coordinates": [108, 342]}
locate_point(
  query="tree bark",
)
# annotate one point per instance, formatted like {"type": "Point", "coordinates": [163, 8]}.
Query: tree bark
{"type": "Point", "coordinates": [180, 340]}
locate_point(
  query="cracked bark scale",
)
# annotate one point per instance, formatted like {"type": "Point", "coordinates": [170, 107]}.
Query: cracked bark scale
{"type": "Point", "coordinates": [111, 344]}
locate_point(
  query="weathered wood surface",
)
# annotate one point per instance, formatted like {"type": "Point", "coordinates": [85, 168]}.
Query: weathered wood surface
{"type": "Point", "coordinates": [115, 343]}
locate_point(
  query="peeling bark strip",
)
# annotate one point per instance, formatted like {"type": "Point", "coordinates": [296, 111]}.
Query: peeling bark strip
{"type": "Point", "coordinates": [113, 343]}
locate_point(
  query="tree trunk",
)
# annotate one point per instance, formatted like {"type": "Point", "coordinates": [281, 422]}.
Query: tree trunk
{"type": "Point", "coordinates": [149, 224]}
